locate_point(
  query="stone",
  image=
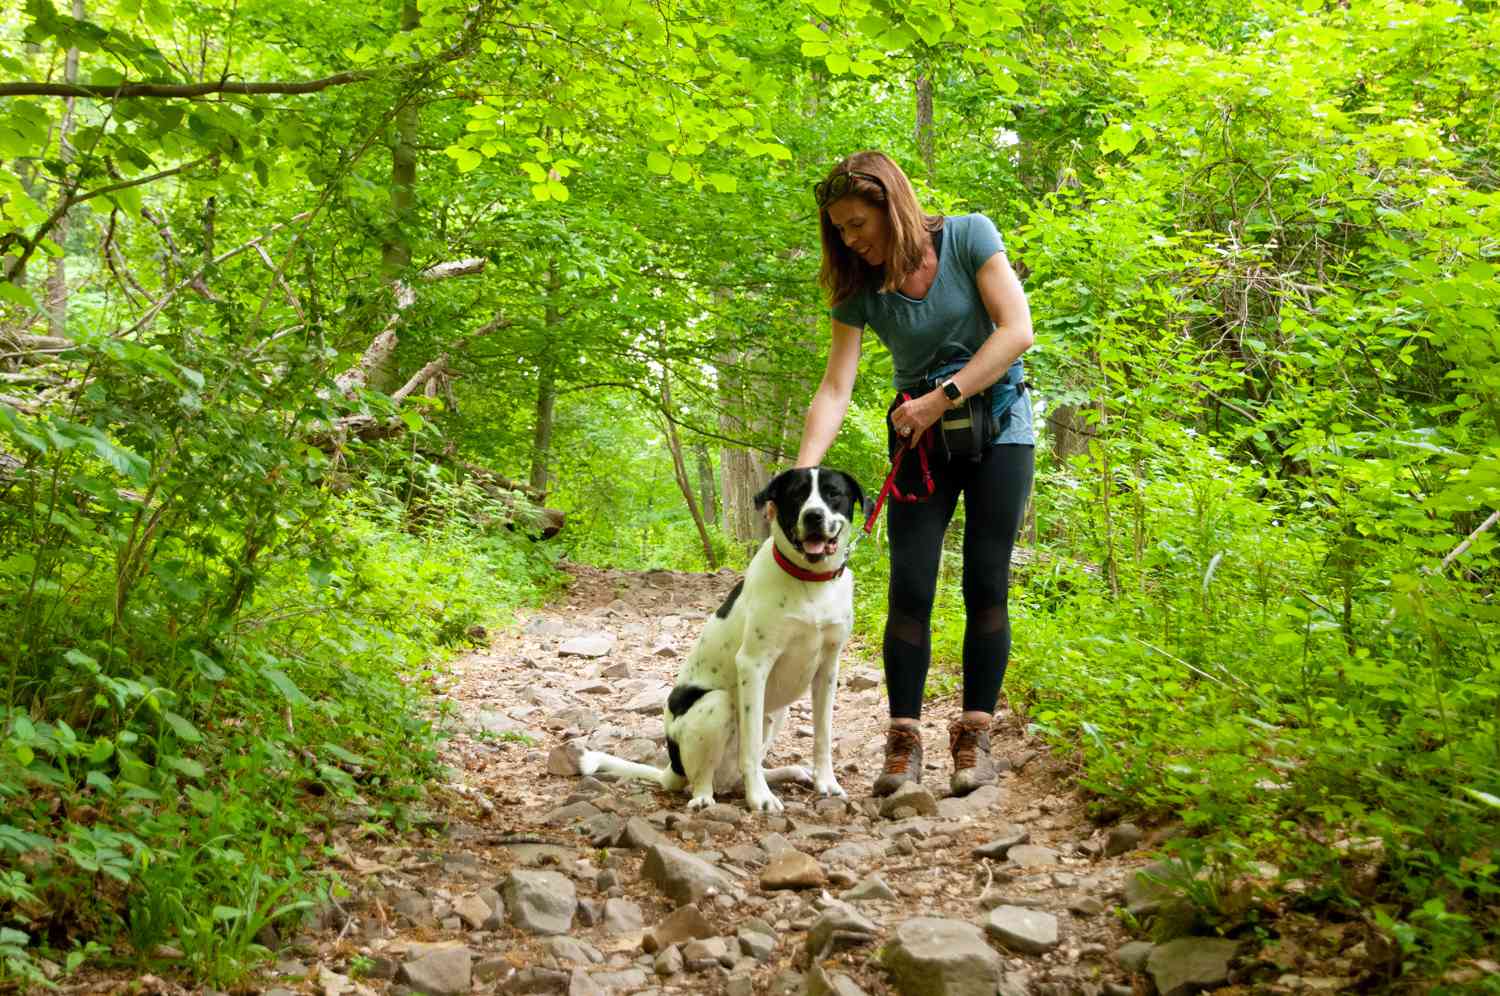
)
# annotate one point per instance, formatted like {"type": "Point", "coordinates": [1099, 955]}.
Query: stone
{"type": "Point", "coordinates": [704, 953]}
{"type": "Point", "coordinates": [1190, 964]}
{"type": "Point", "coordinates": [590, 645]}
{"type": "Point", "coordinates": [910, 795]}
{"type": "Point", "coordinates": [855, 852]}
{"type": "Point", "coordinates": [580, 983]}
{"type": "Point", "coordinates": [565, 757]}
{"type": "Point", "coordinates": [638, 834]}
{"type": "Point", "coordinates": [997, 849]}
{"type": "Point", "coordinates": [1147, 889]}
{"type": "Point", "coordinates": [626, 980]}
{"type": "Point", "coordinates": [668, 961]}
{"type": "Point", "coordinates": [540, 902]}
{"type": "Point", "coordinates": [1123, 838]}
{"type": "Point", "coordinates": [739, 984]}
{"type": "Point", "coordinates": [686, 923]}
{"type": "Point", "coordinates": [1087, 906]}
{"type": "Point", "coordinates": [538, 980]}
{"type": "Point", "coordinates": [445, 972]}
{"type": "Point", "coordinates": [839, 926]}
{"type": "Point", "coordinates": [1024, 930]}
{"type": "Point", "coordinates": [578, 812]}
{"type": "Point", "coordinates": [792, 869]}
{"type": "Point", "coordinates": [960, 807]}
{"type": "Point", "coordinates": [683, 877]}
{"type": "Point", "coordinates": [1031, 856]}
{"type": "Point", "coordinates": [649, 702]}
{"type": "Point", "coordinates": [621, 916]}
{"type": "Point", "coordinates": [569, 949]}
{"type": "Point", "coordinates": [1132, 956]}
{"type": "Point", "coordinates": [870, 888]}
{"type": "Point", "coordinates": [931, 956]}
{"type": "Point", "coordinates": [473, 911]}
{"type": "Point", "coordinates": [860, 680]}
{"type": "Point", "coordinates": [760, 945]}
{"type": "Point", "coordinates": [618, 671]}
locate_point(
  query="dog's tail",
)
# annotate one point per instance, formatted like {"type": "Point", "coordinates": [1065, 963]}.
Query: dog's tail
{"type": "Point", "coordinates": [595, 762]}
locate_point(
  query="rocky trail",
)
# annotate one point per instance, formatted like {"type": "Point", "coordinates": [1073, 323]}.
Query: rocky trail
{"type": "Point", "coordinates": [536, 880]}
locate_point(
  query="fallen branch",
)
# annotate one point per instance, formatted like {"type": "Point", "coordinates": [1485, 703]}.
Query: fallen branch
{"type": "Point", "coordinates": [1458, 551]}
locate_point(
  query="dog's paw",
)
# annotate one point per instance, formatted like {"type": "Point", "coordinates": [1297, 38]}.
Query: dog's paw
{"type": "Point", "coordinates": [698, 802]}
{"type": "Point", "coordinates": [830, 788]}
{"type": "Point", "coordinates": [763, 801]}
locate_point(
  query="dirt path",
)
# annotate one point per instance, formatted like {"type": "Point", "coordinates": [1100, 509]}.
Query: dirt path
{"type": "Point", "coordinates": [467, 911]}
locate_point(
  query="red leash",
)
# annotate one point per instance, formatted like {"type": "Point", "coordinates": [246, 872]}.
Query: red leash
{"type": "Point", "coordinates": [889, 489]}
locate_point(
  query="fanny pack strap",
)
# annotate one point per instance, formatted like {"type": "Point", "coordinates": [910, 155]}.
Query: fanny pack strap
{"type": "Point", "coordinates": [889, 489]}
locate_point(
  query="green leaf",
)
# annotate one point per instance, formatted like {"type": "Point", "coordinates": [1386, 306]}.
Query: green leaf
{"type": "Point", "coordinates": [185, 765]}
{"type": "Point", "coordinates": [837, 62]}
{"type": "Point", "coordinates": [658, 163]}
{"type": "Point", "coordinates": [1485, 797]}
{"type": "Point", "coordinates": [723, 182]}
{"type": "Point", "coordinates": [17, 295]}
{"type": "Point", "coordinates": [681, 171]}
{"type": "Point", "coordinates": [558, 190]}
{"type": "Point", "coordinates": [180, 726]}
{"type": "Point", "coordinates": [284, 685]}
{"type": "Point", "coordinates": [541, 192]}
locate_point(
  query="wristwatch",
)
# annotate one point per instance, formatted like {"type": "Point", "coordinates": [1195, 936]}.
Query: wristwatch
{"type": "Point", "coordinates": [953, 393]}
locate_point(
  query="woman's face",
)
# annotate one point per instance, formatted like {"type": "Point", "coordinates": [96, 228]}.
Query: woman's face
{"type": "Point", "coordinates": [863, 226]}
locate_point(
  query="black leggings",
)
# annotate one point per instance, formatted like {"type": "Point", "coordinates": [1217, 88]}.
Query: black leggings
{"type": "Point", "coordinates": [996, 487]}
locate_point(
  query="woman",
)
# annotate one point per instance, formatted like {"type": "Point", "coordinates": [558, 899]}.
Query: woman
{"type": "Point", "coordinates": [942, 297]}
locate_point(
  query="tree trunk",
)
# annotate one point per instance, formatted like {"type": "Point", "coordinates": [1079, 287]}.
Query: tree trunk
{"type": "Point", "coordinates": [924, 132]}
{"type": "Point", "coordinates": [708, 496]}
{"type": "Point", "coordinates": [741, 468]}
{"type": "Point", "coordinates": [396, 250]}
{"type": "Point", "coordinates": [546, 388]}
{"type": "Point", "coordinates": [679, 470]}
{"type": "Point", "coordinates": [57, 273]}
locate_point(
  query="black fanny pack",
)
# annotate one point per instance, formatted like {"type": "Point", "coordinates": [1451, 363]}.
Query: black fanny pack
{"type": "Point", "coordinates": [967, 430]}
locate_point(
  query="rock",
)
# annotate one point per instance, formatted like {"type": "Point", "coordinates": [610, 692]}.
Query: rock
{"type": "Point", "coordinates": [415, 907]}
{"type": "Point", "coordinates": [649, 702]}
{"type": "Point", "coordinates": [820, 982]}
{"type": "Point", "coordinates": [855, 852]}
{"type": "Point", "coordinates": [617, 671]}
{"type": "Point", "coordinates": [1190, 964]}
{"type": "Point", "coordinates": [873, 887]}
{"type": "Point", "coordinates": [958, 807]}
{"type": "Point", "coordinates": [639, 835]}
{"type": "Point", "coordinates": [1031, 856]}
{"type": "Point", "coordinates": [686, 923]}
{"type": "Point", "coordinates": [1024, 930]}
{"type": "Point", "coordinates": [760, 945]}
{"type": "Point", "coordinates": [590, 645]}
{"type": "Point", "coordinates": [569, 949]}
{"type": "Point", "coordinates": [746, 854]}
{"type": "Point", "coordinates": [473, 911]}
{"type": "Point", "coordinates": [1087, 906]}
{"type": "Point", "coordinates": [445, 972]}
{"type": "Point", "coordinates": [540, 902]}
{"type": "Point", "coordinates": [861, 680]}
{"type": "Point", "coordinates": [930, 956]}
{"type": "Point", "coordinates": [580, 983]}
{"type": "Point", "coordinates": [1146, 890]}
{"type": "Point", "coordinates": [538, 980]}
{"type": "Point", "coordinates": [1121, 839]}
{"type": "Point", "coordinates": [839, 927]}
{"type": "Point", "coordinates": [668, 961]}
{"type": "Point", "coordinates": [739, 984]}
{"type": "Point", "coordinates": [917, 798]}
{"type": "Point", "coordinates": [704, 953]}
{"type": "Point", "coordinates": [578, 812]}
{"type": "Point", "coordinates": [626, 980]}
{"type": "Point", "coordinates": [997, 849]}
{"type": "Point", "coordinates": [563, 759]}
{"type": "Point", "coordinates": [492, 967]}
{"type": "Point", "coordinates": [621, 916]}
{"type": "Point", "coordinates": [792, 870]}
{"type": "Point", "coordinates": [683, 877]}
{"type": "Point", "coordinates": [1132, 956]}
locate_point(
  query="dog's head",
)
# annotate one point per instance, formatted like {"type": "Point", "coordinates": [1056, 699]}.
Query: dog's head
{"type": "Point", "coordinates": [813, 510]}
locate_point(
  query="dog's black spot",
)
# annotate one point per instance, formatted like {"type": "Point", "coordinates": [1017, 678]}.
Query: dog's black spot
{"type": "Point", "coordinates": [734, 594]}
{"type": "Point", "coordinates": [674, 754]}
{"type": "Point", "coordinates": [683, 697]}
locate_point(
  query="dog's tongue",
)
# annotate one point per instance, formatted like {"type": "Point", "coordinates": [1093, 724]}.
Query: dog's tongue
{"type": "Point", "coordinates": [815, 547]}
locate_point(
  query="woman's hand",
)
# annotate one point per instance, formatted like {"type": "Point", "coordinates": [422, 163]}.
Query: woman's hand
{"type": "Point", "coordinates": [912, 418]}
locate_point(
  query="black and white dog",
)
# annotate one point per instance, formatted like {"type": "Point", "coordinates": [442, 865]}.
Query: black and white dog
{"type": "Point", "coordinates": [778, 634]}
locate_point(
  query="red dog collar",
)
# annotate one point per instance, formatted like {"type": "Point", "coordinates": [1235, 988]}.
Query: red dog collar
{"type": "Point", "coordinates": [802, 573]}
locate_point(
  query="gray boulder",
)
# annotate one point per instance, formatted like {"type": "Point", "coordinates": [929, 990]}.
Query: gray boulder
{"type": "Point", "coordinates": [930, 956]}
{"type": "Point", "coordinates": [540, 902]}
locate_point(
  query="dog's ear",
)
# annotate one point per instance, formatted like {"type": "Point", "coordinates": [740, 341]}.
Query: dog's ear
{"type": "Point", "coordinates": [856, 490]}
{"type": "Point", "coordinates": [772, 491]}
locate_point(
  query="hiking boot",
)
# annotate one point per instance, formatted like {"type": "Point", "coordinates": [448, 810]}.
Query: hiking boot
{"type": "Point", "coordinates": [969, 743]}
{"type": "Point", "coordinates": [903, 760]}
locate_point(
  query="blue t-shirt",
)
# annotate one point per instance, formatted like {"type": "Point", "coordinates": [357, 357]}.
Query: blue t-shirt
{"type": "Point", "coordinates": [939, 333]}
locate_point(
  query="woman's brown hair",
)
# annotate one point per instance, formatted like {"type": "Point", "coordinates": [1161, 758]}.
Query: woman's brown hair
{"type": "Point", "coordinates": [879, 182]}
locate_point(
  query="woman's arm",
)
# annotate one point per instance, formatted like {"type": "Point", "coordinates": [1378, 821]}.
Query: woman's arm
{"type": "Point", "coordinates": [1005, 301]}
{"type": "Point", "coordinates": [831, 402]}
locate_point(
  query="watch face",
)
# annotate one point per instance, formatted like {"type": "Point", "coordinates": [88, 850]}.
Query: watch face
{"type": "Point", "coordinates": [952, 391]}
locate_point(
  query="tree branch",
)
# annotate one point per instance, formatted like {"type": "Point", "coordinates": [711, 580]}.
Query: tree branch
{"type": "Point", "coordinates": [116, 91]}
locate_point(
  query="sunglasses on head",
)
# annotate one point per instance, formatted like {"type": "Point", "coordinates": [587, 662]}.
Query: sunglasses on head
{"type": "Point", "coordinates": [839, 184]}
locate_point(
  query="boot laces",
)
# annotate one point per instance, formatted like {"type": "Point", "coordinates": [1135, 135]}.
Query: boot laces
{"type": "Point", "coordinates": [900, 745]}
{"type": "Point", "coordinates": [963, 744]}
